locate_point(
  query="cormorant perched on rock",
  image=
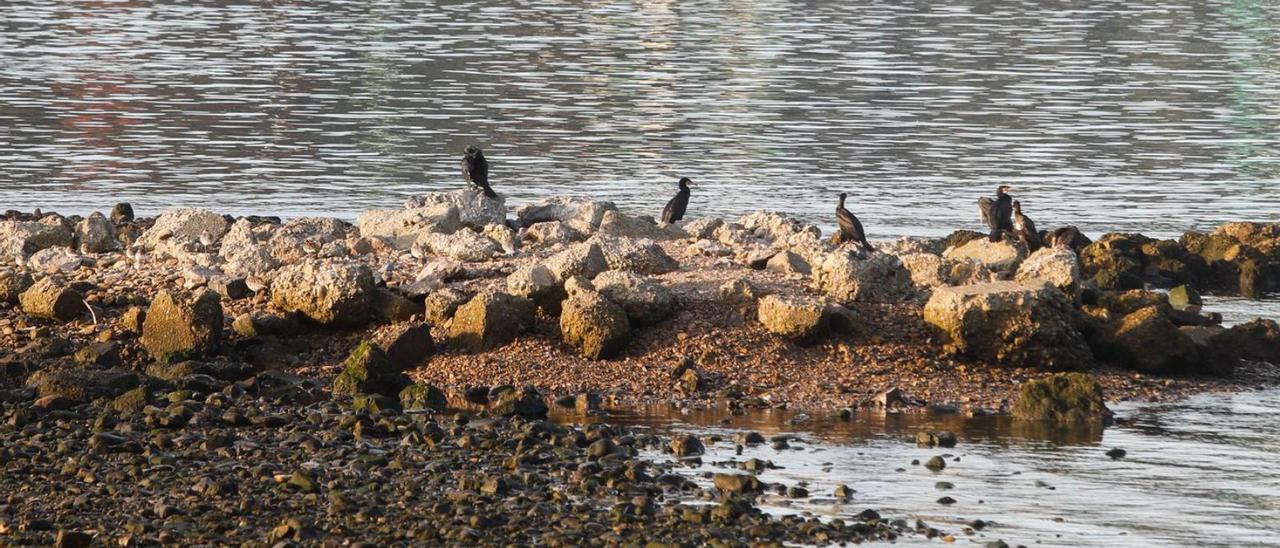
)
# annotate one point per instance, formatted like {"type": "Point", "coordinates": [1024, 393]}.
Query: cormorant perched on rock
{"type": "Point", "coordinates": [1025, 229]}
{"type": "Point", "coordinates": [850, 227]}
{"type": "Point", "coordinates": [997, 213]}
{"type": "Point", "coordinates": [475, 169]}
{"type": "Point", "coordinates": [676, 207]}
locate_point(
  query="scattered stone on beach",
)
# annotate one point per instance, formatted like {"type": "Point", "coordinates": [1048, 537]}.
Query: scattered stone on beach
{"type": "Point", "coordinates": [1071, 398]}
{"type": "Point", "coordinates": [1010, 324]}
{"type": "Point", "coordinates": [12, 284]}
{"type": "Point", "coordinates": [597, 327]}
{"type": "Point", "coordinates": [49, 300]}
{"type": "Point", "coordinates": [408, 345]}
{"type": "Point", "coordinates": [733, 484]}
{"type": "Point", "coordinates": [421, 395]}
{"type": "Point", "coordinates": [491, 319]}
{"type": "Point", "coordinates": [440, 305]}
{"type": "Point", "coordinates": [335, 293]}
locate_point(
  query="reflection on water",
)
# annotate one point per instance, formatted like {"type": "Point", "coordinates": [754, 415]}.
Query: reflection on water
{"type": "Point", "coordinates": [1199, 472]}
{"type": "Point", "coordinates": [332, 106]}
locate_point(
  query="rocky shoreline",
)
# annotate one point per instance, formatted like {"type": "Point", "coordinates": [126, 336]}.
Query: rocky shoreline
{"type": "Point", "coordinates": [193, 378]}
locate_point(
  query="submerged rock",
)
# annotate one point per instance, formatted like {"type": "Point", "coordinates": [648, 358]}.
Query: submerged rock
{"type": "Point", "coordinates": [1010, 324]}
{"type": "Point", "coordinates": [1062, 398]}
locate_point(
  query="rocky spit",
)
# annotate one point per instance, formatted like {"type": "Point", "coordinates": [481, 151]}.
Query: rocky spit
{"type": "Point", "coordinates": [199, 379]}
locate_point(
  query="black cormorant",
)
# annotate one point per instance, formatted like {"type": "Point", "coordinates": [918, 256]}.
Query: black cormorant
{"type": "Point", "coordinates": [1025, 229]}
{"type": "Point", "coordinates": [997, 213]}
{"type": "Point", "coordinates": [676, 207]}
{"type": "Point", "coordinates": [475, 169]}
{"type": "Point", "coordinates": [850, 227]}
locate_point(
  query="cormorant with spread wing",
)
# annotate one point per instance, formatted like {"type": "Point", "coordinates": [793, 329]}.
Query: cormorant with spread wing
{"type": "Point", "coordinates": [997, 213]}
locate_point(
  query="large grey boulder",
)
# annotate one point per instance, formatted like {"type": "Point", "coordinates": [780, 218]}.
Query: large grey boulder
{"type": "Point", "coordinates": [50, 300]}
{"type": "Point", "coordinates": [401, 228]}
{"type": "Point", "coordinates": [183, 225]}
{"type": "Point", "coordinates": [178, 327]}
{"type": "Point", "coordinates": [289, 243]}
{"type": "Point", "coordinates": [773, 226]}
{"type": "Point", "coordinates": [788, 262]}
{"type": "Point", "coordinates": [55, 260]}
{"type": "Point", "coordinates": [537, 283]}
{"type": "Point", "coordinates": [464, 245]}
{"type": "Point", "coordinates": [475, 210]}
{"type": "Point", "coordinates": [615, 223]}
{"type": "Point", "coordinates": [799, 317]}
{"type": "Point", "coordinates": [549, 233]}
{"type": "Point", "coordinates": [1058, 266]}
{"type": "Point", "coordinates": [597, 327]}
{"type": "Point", "coordinates": [1009, 324]}
{"type": "Point", "coordinates": [848, 277]}
{"type": "Point", "coordinates": [999, 256]}
{"type": "Point", "coordinates": [19, 239]}
{"type": "Point", "coordinates": [327, 292]}
{"type": "Point", "coordinates": [581, 214]}
{"type": "Point", "coordinates": [96, 234]}
{"type": "Point", "coordinates": [703, 228]}
{"type": "Point", "coordinates": [927, 270]}
{"type": "Point", "coordinates": [243, 252]}
{"type": "Point", "coordinates": [490, 320]}
{"type": "Point", "coordinates": [639, 256]}
{"type": "Point", "coordinates": [645, 301]}
{"type": "Point", "coordinates": [584, 259]}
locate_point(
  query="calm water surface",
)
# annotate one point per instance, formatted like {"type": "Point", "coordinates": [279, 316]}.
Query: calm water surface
{"type": "Point", "coordinates": [1151, 116]}
{"type": "Point", "coordinates": [1199, 472]}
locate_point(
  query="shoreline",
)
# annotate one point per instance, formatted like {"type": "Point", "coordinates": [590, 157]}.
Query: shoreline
{"type": "Point", "coordinates": [702, 322]}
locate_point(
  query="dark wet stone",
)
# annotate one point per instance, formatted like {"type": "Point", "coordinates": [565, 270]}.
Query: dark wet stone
{"type": "Point", "coordinates": [1117, 453]}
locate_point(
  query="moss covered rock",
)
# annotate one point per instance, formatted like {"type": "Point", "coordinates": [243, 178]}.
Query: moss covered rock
{"type": "Point", "coordinates": [1062, 398]}
{"type": "Point", "coordinates": [368, 370]}
{"type": "Point", "coordinates": [179, 328]}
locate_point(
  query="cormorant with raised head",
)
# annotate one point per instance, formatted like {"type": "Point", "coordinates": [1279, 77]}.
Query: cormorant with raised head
{"type": "Point", "coordinates": [997, 213]}
{"type": "Point", "coordinates": [475, 169]}
{"type": "Point", "coordinates": [676, 207]}
{"type": "Point", "coordinates": [850, 227]}
{"type": "Point", "coordinates": [1025, 229]}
